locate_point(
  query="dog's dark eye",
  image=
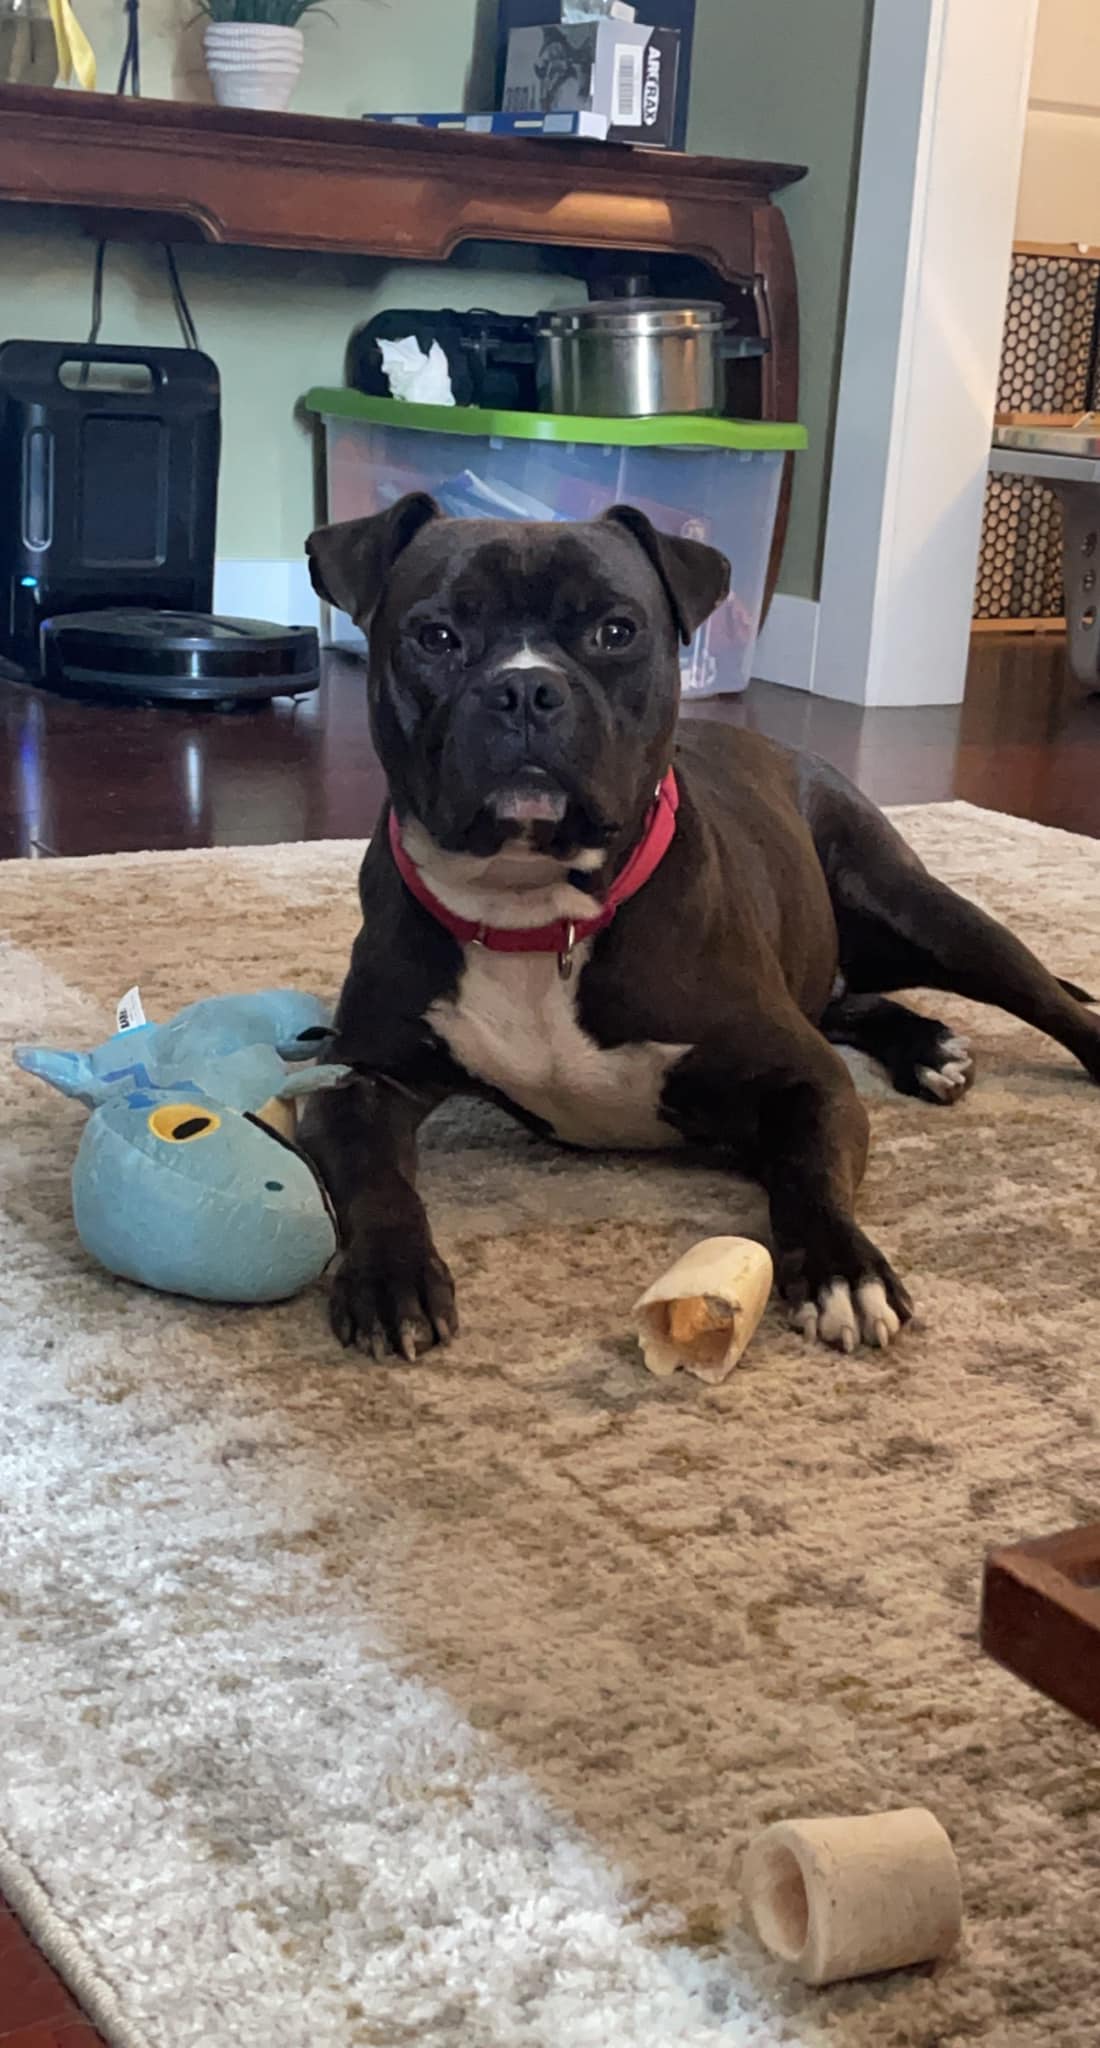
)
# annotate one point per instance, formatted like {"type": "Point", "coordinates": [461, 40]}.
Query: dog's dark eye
{"type": "Point", "coordinates": [615, 634]}
{"type": "Point", "coordinates": [435, 639]}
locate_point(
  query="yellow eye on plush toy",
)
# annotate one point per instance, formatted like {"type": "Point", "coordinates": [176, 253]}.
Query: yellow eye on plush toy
{"type": "Point", "coordinates": [178, 1122]}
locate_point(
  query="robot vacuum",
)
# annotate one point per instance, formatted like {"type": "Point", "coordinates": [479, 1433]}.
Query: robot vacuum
{"type": "Point", "coordinates": [180, 657]}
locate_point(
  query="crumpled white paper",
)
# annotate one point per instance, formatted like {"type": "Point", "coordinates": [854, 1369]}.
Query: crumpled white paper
{"type": "Point", "coordinates": [420, 379]}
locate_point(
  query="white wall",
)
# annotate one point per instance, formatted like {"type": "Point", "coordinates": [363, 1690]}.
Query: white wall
{"type": "Point", "coordinates": [1060, 178]}
{"type": "Point", "coordinates": [944, 123]}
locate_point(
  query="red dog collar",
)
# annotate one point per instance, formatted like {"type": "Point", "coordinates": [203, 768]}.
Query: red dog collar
{"type": "Point", "coordinates": [563, 935]}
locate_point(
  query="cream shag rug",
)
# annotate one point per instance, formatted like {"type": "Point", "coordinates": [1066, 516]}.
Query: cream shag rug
{"type": "Point", "coordinates": [349, 1706]}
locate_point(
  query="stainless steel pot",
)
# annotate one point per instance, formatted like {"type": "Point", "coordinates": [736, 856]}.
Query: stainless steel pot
{"type": "Point", "coordinates": [625, 358]}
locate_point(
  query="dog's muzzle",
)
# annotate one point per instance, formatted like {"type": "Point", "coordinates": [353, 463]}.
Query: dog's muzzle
{"type": "Point", "coordinates": [525, 716]}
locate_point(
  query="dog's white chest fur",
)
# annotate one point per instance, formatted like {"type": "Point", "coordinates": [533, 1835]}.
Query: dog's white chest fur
{"type": "Point", "coordinates": [513, 1024]}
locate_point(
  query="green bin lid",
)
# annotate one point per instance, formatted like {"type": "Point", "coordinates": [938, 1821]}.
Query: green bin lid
{"type": "Point", "coordinates": [659, 430]}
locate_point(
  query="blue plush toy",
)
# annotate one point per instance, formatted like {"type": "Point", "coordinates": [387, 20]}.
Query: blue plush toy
{"type": "Point", "coordinates": [188, 1177]}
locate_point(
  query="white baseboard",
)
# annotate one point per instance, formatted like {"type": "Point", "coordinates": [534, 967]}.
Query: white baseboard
{"type": "Point", "coordinates": [787, 648]}
{"type": "Point", "coordinates": [280, 592]}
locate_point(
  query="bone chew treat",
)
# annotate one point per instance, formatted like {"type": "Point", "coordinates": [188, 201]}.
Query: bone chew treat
{"type": "Point", "coordinates": [702, 1313]}
{"type": "Point", "coordinates": [281, 1116]}
{"type": "Point", "coordinates": [842, 1897]}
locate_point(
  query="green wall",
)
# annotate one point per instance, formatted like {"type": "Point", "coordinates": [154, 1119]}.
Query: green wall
{"type": "Point", "coordinates": [770, 80]}
{"type": "Point", "coordinates": [784, 79]}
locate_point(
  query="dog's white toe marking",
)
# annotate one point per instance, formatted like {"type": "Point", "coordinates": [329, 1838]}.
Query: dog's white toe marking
{"type": "Point", "coordinates": [948, 1080]}
{"type": "Point", "coordinates": [880, 1323]}
{"type": "Point", "coordinates": [834, 1318]}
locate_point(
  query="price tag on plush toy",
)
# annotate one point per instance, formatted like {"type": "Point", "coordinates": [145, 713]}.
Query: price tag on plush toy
{"type": "Point", "coordinates": [130, 1012]}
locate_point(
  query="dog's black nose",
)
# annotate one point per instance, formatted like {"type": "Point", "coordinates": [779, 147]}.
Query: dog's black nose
{"type": "Point", "coordinates": [535, 697]}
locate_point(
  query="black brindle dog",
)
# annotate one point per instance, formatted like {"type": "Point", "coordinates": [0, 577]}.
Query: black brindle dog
{"type": "Point", "coordinates": [621, 956]}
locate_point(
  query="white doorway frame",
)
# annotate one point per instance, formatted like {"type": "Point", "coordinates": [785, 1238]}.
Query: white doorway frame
{"type": "Point", "coordinates": [939, 173]}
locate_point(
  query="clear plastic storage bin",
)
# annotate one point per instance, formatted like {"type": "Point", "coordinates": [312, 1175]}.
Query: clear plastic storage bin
{"type": "Point", "coordinates": [706, 479]}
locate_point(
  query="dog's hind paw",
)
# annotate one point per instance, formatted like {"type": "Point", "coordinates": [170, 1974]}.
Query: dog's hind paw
{"type": "Point", "coordinates": [948, 1073]}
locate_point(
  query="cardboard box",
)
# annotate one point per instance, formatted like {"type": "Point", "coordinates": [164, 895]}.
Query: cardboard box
{"type": "Point", "coordinates": [674, 14]}
{"type": "Point", "coordinates": [622, 70]}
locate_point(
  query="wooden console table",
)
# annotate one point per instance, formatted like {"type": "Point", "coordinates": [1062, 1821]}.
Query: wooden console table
{"type": "Point", "coordinates": [291, 181]}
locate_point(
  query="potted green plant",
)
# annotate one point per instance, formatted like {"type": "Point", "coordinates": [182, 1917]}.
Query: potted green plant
{"type": "Point", "coordinates": [254, 50]}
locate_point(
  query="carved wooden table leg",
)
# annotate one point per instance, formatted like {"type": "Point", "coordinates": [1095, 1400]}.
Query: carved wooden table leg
{"type": "Point", "coordinates": [777, 305]}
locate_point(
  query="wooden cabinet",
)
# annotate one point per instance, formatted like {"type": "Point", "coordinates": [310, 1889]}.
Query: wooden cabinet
{"type": "Point", "coordinates": [286, 181]}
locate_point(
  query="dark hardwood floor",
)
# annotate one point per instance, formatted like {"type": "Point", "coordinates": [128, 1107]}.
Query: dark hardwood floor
{"type": "Point", "coordinates": [79, 777]}
{"type": "Point", "coordinates": [36, 2011]}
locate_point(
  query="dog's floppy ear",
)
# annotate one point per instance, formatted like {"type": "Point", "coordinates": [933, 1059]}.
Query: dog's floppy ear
{"type": "Point", "coordinates": [349, 563]}
{"type": "Point", "coordinates": [696, 577]}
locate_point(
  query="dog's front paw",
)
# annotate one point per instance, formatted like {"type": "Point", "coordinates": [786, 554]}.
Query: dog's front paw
{"type": "Point", "coordinates": [845, 1293]}
{"type": "Point", "coordinates": [392, 1293]}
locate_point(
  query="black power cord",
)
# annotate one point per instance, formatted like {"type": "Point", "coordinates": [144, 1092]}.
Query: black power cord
{"type": "Point", "coordinates": [184, 315]}
{"type": "Point", "coordinates": [129, 77]}
{"type": "Point", "coordinates": [129, 82]}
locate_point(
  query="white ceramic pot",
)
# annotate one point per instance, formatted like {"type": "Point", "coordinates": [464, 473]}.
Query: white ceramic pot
{"type": "Point", "coordinates": [252, 63]}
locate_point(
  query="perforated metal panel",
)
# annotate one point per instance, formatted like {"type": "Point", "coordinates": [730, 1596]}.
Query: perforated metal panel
{"type": "Point", "coordinates": [1046, 355]}
{"type": "Point", "coordinates": [1020, 564]}
{"type": "Point", "coordinates": [1048, 364]}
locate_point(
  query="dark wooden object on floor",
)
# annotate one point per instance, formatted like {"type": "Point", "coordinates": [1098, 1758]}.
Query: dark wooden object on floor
{"type": "Point", "coordinates": [301, 181]}
{"type": "Point", "coordinates": [1041, 1616]}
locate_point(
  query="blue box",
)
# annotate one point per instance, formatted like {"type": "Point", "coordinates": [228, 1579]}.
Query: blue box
{"type": "Point", "coordinates": [562, 126]}
{"type": "Point", "coordinates": [675, 14]}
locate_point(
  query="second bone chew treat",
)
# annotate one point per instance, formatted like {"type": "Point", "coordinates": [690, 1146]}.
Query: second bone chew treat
{"type": "Point", "coordinates": [846, 1896]}
{"type": "Point", "coordinates": [703, 1311]}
